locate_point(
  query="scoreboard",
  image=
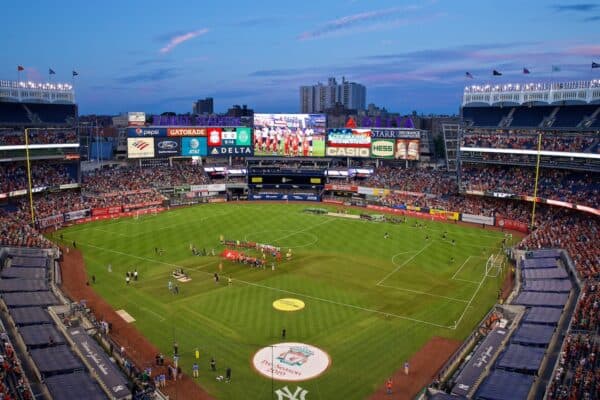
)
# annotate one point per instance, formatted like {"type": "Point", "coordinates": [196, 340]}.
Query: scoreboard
{"type": "Point", "coordinates": [283, 177]}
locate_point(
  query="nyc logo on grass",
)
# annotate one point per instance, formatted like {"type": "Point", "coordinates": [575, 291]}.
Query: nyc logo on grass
{"type": "Point", "coordinates": [285, 393]}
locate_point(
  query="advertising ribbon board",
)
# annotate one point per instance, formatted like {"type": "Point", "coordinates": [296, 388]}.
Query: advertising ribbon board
{"type": "Point", "coordinates": [193, 146]}
{"type": "Point", "coordinates": [140, 147]}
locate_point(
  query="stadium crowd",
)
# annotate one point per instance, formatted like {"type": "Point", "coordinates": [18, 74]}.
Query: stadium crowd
{"type": "Point", "coordinates": [43, 173]}
{"type": "Point", "coordinates": [136, 178]}
{"type": "Point", "coordinates": [39, 137]}
{"type": "Point", "coordinates": [573, 187]}
{"type": "Point", "coordinates": [578, 373]}
{"type": "Point", "coordinates": [516, 140]}
{"type": "Point", "coordinates": [412, 180]}
{"type": "Point", "coordinates": [556, 227]}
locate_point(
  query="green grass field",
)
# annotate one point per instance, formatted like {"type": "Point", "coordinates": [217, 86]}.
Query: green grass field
{"type": "Point", "coordinates": [370, 302]}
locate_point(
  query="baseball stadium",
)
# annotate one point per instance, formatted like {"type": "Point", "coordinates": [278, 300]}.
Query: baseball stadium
{"type": "Point", "coordinates": [276, 256]}
{"type": "Point", "coordinates": [369, 201]}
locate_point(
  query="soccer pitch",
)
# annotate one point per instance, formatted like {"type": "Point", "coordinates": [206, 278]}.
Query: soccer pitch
{"type": "Point", "coordinates": [370, 302]}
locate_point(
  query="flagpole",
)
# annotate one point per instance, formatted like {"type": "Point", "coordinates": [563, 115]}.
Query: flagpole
{"type": "Point", "coordinates": [537, 175]}
{"type": "Point", "coordinates": [29, 177]}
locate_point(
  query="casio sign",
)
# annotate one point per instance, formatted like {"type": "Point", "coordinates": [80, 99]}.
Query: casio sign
{"type": "Point", "coordinates": [348, 152]}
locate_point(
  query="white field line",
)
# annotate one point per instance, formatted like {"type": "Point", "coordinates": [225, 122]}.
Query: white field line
{"type": "Point", "coordinates": [151, 312]}
{"type": "Point", "coordinates": [178, 224]}
{"type": "Point", "coordinates": [466, 280]}
{"type": "Point", "coordinates": [109, 232]}
{"type": "Point", "coordinates": [387, 314]}
{"type": "Point", "coordinates": [468, 233]}
{"type": "Point", "coordinates": [402, 265]}
{"type": "Point", "coordinates": [490, 247]}
{"type": "Point", "coordinates": [424, 293]}
{"type": "Point", "coordinates": [304, 230]}
{"type": "Point", "coordinates": [457, 322]}
{"type": "Point", "coordinates": [461, 267]}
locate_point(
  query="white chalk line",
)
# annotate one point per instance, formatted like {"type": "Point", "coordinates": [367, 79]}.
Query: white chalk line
{"type": "Point", "coordinates": [423, 293]}
{"type": "Point", "coordinates": [387, 314]}
{"type": "Point", "coordinates": [402, 265]}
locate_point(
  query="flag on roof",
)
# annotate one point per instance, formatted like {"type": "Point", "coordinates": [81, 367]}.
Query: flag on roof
{"type": "Point", "coordinates": [20, 68]}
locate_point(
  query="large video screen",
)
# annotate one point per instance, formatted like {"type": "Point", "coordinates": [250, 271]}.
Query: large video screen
{"type": "Point", "coordinates": [289, 135]}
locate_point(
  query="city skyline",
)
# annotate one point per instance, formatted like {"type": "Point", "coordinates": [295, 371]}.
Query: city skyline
{"type": "Point", "coordinates": [410, 56]}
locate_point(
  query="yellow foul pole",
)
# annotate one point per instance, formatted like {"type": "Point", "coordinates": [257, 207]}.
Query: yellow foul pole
{"type": "Point", "coordinates": [537, 175]}
{"type": "Point", "coordinates": [29, 177]}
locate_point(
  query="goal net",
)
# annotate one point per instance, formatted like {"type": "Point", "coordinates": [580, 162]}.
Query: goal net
{"type": "Point", "coordinates": [494, 265]}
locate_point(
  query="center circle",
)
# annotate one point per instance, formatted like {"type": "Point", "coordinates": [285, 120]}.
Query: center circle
{"type": "Point", "coordinates": [288, 304]}
{"type": "Point", "coordinates": [285, 239]}
{"type": "Point", "coordinates": [291, 361]}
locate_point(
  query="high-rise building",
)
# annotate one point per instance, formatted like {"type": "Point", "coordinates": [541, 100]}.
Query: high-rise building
{"type": "Point", "coordinates": [203, 106]}
{"type": "Point", "coordinates": [319, 97]}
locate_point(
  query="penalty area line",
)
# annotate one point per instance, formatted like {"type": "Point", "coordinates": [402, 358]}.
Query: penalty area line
{"type": "Point", "coordinates": [402, 265]}
{"type": "Point", "coordinates": [424, 293]}
{"type": "Point", "coordinates": [387, 314]}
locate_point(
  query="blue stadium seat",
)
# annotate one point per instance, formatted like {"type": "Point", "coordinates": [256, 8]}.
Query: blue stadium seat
{"type": "Point", "coordinates": [529, 117]}
{"type": "Point", "coordinates": [571, 116]}
{"type": "Point", "coordinates": [485, 116]}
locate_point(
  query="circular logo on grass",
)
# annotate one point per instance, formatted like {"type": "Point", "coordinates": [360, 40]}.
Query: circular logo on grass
{"type": "Point", "coordinates": [291, 361]}
{"type": "Point", "coordinates": [288, 304]}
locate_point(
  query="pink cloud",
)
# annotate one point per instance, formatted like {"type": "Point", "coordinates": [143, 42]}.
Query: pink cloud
{"type": "Point", "coordinates": [177, 40]}
{"type": "Point", "coordinates": [591, 50]}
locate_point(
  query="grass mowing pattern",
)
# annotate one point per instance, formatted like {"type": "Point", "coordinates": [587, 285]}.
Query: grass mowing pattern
{"type": "Point", "coordinates": [370, 302]}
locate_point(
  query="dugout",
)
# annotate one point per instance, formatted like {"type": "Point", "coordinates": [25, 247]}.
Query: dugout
{"type": "Point", "coordinates": [505, 385]}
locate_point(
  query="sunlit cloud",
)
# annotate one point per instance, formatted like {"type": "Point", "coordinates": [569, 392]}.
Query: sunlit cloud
{"type": "Point", "coordinates": [179, 39]}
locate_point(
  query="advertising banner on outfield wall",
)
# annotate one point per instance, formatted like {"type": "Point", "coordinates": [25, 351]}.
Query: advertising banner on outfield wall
{"type": "Point", "coordinates": [344, 142]}
{"type": "Point", "coordinates": [106, 211]}
{"type": "Point", "coordinates": [449, 215]}
{"type": "Point", "coordinates": [477, 219]}
{"type": "Point", "coordinates": [50, 221]}
{"type": "Point", "coordinates": [406, 212]}
{"type": "Point", "coordinates": [193, 147]}
{"type": "Point", "coordinates": [395, 133]}
{"type": "Point", "coordinates": [373, 191]}
{"type": "Point", "coordinates": [136, 118]}
{"type": "Point", "coordinates": [150, 131]}
{"type": "Point", "coordinates": [342, 188]}
{"type": "Point", "coordinates": [140, 147]}
{"type": "Point", "coordinates": [511, 224]}
{"type": "Point", "coordinates": [407, 149]}
{"type": "Point", "coordinates": [218, 187]}
{"type": "Point", "coordinates": [75, 215]}
{"type": "Point", "coordinates": [167, 147]}
{"type": "Point", "coordinates": [187, 131]}
{"type": "Point", "coordinates": [293, 197]}
{"type": "Point", "coordinates": [382, 148]}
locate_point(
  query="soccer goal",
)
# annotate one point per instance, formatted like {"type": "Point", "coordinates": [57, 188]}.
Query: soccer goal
{"type": "Point", "coordinates": [494, 265]}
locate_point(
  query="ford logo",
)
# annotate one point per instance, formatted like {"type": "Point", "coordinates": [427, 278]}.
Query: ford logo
{"type": "Point", "coordinates": [167, 145]}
